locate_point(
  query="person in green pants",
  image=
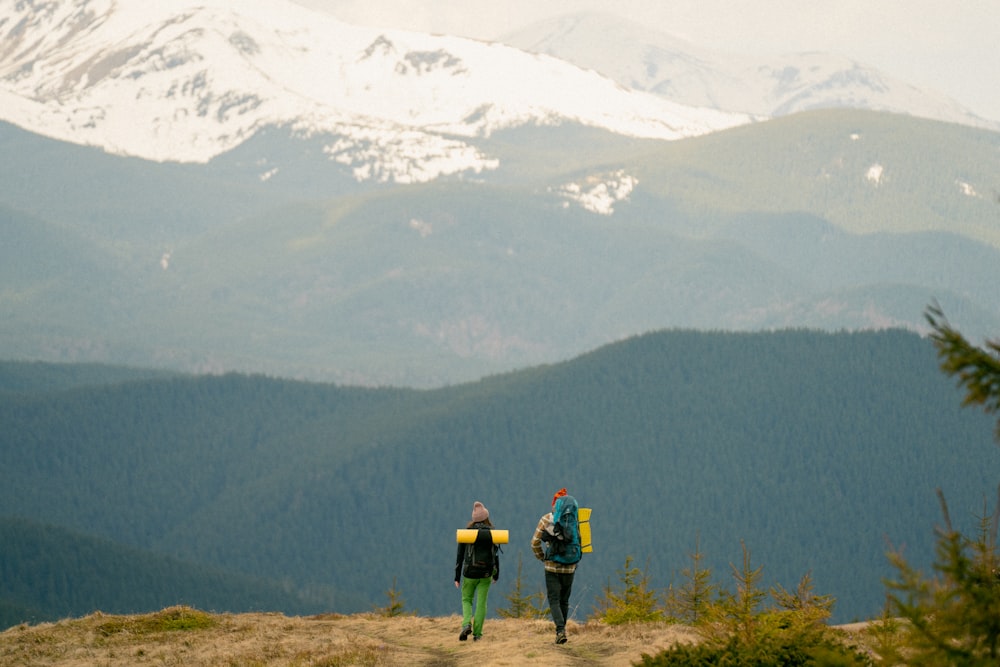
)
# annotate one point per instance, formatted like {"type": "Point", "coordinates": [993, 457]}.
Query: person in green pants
{"type": "Point", "coordinates": [479, 563]}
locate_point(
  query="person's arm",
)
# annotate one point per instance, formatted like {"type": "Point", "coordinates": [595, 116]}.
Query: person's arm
{"type": "Point", "coordinates": [459, 557]}
{"type": "Point", "coordinates": [536, 540]}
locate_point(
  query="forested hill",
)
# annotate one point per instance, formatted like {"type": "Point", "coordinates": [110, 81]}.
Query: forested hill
{"type": "Point", "coordinates": [51, 573]}
{"type": "Point", "coordinates": [27, 377]}
{"type": "Point", "coordinates": [816, 450]}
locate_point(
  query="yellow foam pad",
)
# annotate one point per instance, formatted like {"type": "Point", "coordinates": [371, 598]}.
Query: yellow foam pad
{"type": "Point", "coordinates": [583, 516]}
{"type": "Point", "coordinates": [468, 536]}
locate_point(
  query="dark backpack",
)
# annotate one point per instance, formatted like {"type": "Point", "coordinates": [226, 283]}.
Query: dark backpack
{"type": "Point", "coordinates": [480, 556]}
{"type": "Point", "coordinates": [564, 541]}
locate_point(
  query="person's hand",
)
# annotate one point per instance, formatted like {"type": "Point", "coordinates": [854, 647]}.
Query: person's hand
{"type": "Point", "coordinates": [456, 584]}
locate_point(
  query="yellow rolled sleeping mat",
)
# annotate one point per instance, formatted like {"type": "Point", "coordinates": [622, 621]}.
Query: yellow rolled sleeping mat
{"type": "Point", "coordinates": [468, 536]}
{"type": "Point", "coordinates": [583, 519]}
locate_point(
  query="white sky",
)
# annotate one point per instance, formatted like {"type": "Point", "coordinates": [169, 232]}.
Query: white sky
{"type": "Point", "coordinates": [948, 46]}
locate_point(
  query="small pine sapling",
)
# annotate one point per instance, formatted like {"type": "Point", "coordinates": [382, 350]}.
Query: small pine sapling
{"type": "Point", "coordinates": [521, 605]}
{"type": "Point", "coordinates": [692, 601]}
{"type": "Point", "coordinates": [954, 616]}
{"type": "Point", "coordinates": [396, 605]}
{"type": "Point", "coordinates": [634, 602]}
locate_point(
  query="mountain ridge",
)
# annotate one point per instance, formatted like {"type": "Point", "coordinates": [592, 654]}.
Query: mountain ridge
{"type": "Point", "coordinates": [429, 269]}
{"type": "Point", "coordinates": [401, 106]}
{"type": "Point", "coordinates": [765, 87]}
{"type": "Point", "coordinates": [187, 84]}
{"type": "Point", "coordinates": [767, 225]}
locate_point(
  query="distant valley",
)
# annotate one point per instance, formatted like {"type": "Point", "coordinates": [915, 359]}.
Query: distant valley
{"type": "Point", "coordinates": [828, 220]}
{"type": "Point", "coordinates": [235, 492]}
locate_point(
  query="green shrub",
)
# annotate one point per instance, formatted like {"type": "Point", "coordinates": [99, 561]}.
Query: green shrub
{"type": "Point", "coordinates": [739, 631]}
{"type": "Point", "coordinates": [167, 620]}
{"type": "Point", "coordinates": [735, 653]}
{"type": "Point", "coordinates": [952, 618]}
{"type": "Point", "coordinates": [634, 602]}
{"type": "Point", "coordinates": [690, 603]}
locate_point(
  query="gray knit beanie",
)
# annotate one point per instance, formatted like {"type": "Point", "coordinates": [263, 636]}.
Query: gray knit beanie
{"type": "Point", "coordinates": [479, 512]}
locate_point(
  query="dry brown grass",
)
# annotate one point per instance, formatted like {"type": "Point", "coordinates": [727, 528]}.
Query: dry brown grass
{"type": "Point", "coordinates": [183, 636]}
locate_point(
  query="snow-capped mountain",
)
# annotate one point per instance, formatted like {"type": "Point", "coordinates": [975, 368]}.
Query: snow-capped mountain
{"type": "Point", "coordinates": [547, 242]}
{"type": "Point", "coordinates": [644, 59]}
{"type": "Point", "coordinates": [180, 81]}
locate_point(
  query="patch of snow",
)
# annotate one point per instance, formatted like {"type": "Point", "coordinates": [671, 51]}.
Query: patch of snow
{"type": "Point", "coordinates": [874, 174]}
{"type": "Point", "coordinates": [879, 320]}
{"type": "Point", "coordinates": [599, 193]}
{"type": "Point", "coordinates": [423, 228]}
{"type": "Point", "coordinates": [967, 189]}
{"type": "Point", "coordinates": [405, 156]}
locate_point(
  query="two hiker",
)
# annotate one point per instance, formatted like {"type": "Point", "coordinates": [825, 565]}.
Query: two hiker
{"type": "Point", "coordinates": [555, 542]}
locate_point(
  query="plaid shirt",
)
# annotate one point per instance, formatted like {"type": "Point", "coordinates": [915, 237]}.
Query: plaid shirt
{"type": "Point", "coordinates": [539, 548]}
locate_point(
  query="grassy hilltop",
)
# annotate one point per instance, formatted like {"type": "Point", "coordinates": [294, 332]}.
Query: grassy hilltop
{"type": "Point", "coordinates": [183, 636]}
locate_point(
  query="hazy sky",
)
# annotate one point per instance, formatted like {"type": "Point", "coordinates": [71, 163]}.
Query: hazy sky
{"type": "Point", "coordinates": [951, 46]}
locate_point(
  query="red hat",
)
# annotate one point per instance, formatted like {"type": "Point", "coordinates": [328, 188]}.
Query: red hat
{"type": "Point", "coordinates": [559, 494]}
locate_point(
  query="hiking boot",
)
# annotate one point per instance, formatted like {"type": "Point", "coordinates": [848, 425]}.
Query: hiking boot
{"type": "Point", "coordinates": [560, 637]}
{"type": "Point", "coordinates": [476, 638]}
{"type": "Point", "coordinates": [466, 631]}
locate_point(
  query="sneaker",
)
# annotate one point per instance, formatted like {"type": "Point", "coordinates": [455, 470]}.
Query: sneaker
{"type": "Point", "coordinates": [560, 637]}
{"type": "Point", "coordinates": [466, 631]}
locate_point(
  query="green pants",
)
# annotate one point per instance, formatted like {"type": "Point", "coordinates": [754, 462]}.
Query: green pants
{"type": "Point", "coordinates": [480, 589]}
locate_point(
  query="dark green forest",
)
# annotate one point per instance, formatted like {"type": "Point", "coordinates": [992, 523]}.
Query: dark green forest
{"type": "Point", "coordinates": [819, 451]}
{"type": "Point", "coordinates": [61, 573]}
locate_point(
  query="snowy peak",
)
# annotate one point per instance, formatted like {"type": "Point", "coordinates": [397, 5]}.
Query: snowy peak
{"type": "Point", "coordinates": [644, 59]}
{"type": "Point", "coordinates": [172, 81]}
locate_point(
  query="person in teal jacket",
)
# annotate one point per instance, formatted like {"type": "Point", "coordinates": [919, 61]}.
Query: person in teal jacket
{"type": "Point", "coordinates": [558, 576]}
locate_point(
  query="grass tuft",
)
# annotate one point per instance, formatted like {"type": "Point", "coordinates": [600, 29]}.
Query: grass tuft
{"type": "Point", "coordinates": [171, 619]}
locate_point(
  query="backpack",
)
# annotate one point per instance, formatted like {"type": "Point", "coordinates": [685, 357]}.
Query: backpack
{"type": "Point", "coordinates": [564, 541]}
{"type": "Point", "coordinates": [480, 556]}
